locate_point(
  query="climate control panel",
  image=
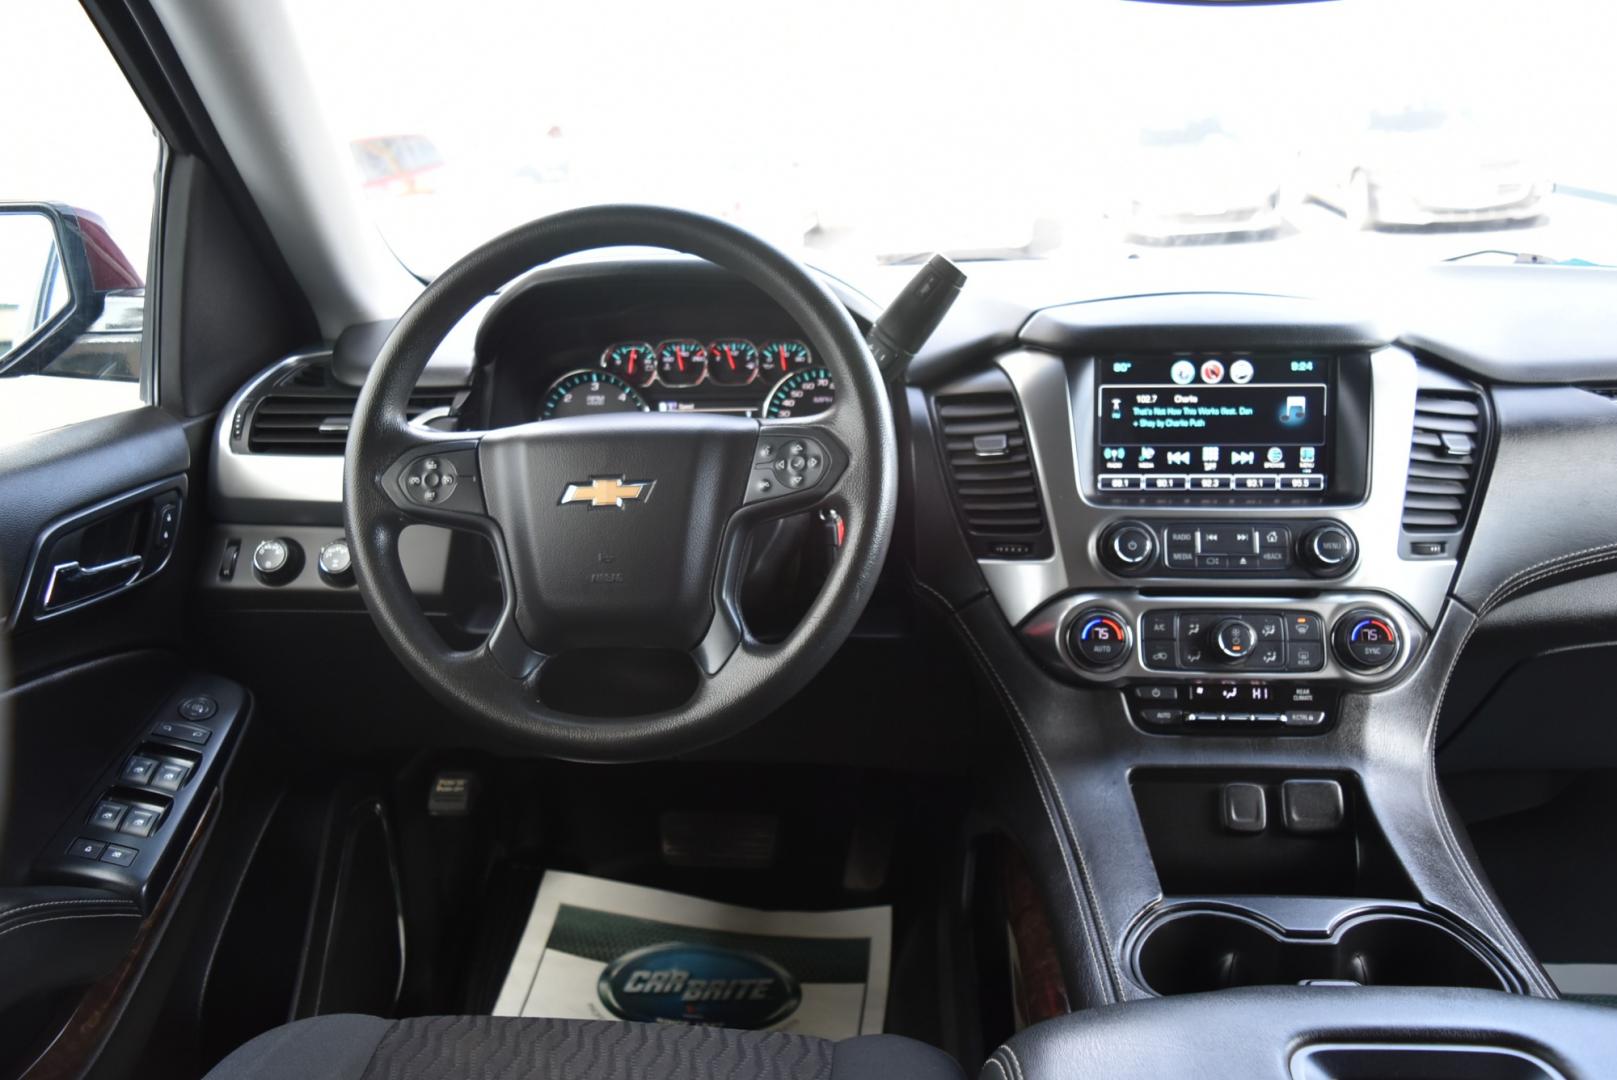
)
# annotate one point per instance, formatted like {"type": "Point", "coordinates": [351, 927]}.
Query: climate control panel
{"type": "Point", "coordinates": [1191, 664]}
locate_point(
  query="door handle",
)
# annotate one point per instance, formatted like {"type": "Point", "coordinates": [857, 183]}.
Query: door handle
{"type": "Point", "coordinates": [70, 583]}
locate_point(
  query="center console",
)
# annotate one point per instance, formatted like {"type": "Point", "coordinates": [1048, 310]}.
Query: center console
{"type": "Point", "coordinates": [1225, 646]}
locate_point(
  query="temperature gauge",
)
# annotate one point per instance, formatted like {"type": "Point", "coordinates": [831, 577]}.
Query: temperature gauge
{"type": "Point", "coordinates": [732, 363]}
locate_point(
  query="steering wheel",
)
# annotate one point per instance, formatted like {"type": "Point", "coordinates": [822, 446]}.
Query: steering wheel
{"type": "Point", "coordinates": [626, 531]}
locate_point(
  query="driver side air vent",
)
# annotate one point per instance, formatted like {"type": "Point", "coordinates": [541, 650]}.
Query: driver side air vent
{"type": "Point", "coordinates": [308, 412]}
{"type": "Point", "coordinates": [1445, 455]}
{"type": "Point", "coordinates": [991, 472]}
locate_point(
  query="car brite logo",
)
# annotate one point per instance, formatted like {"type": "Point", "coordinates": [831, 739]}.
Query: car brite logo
{"type": "Point", "coordinates": [699, 984]}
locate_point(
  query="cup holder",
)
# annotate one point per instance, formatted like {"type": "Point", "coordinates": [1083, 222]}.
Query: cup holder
{"type": "Point", "coordinates": [1187, 951]}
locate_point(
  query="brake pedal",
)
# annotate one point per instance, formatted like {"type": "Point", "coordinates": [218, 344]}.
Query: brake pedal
{"type": "Point", "coordinates": [727, 841]}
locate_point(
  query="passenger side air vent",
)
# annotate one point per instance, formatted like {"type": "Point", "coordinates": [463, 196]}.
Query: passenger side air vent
{"type": "Point", "coordinates": [1445, 455]}
{"type": "Point", "coordinates": [307, 412]}
{"type": "Point", "coordinates": [990, 468]}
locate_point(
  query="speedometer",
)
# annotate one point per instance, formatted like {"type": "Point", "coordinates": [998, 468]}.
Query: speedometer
{"type": "Point", "coordinates": [802, 394]}
{"type": "Point", "coordinates": [590, 393]}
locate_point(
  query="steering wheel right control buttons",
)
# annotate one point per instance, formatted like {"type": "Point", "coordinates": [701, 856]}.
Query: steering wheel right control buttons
{"type": "Point", "coordinates": [783, 464]}
{"type": "Point", "coordinates": [1367, 640]}
{"type": "Point", "coordinates": [1100, 638]}
{"type": "Point", "coordinates": [446, 480]}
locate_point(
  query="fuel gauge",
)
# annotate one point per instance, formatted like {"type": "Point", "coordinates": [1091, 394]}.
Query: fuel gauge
{"type": "Point", "coordinates": [635, 362]}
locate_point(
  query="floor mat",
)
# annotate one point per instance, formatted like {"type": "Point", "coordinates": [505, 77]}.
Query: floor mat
{"type": "Point", "coordinates": [598, 949]}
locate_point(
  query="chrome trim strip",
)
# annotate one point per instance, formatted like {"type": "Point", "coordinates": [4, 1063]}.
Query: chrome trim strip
{"type": "Point", "coordinates": [270, 477]}
{"type": "Point", "coordinates": [1051, 398]}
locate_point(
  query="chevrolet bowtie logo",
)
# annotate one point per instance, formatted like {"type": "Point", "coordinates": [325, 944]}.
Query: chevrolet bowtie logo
{"type": "Point", "coordinates": [608, 491]}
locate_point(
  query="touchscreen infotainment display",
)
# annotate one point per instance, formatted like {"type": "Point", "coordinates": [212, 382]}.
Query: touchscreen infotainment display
{"type": "Point", "coordinates": [1213, 422]}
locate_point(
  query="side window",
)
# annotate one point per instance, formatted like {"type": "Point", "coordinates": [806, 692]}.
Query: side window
{"type": "Point", "coordinates": [78, 169]}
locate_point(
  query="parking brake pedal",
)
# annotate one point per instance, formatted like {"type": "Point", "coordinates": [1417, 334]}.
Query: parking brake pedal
{"type": "Point", "coordinates": [732, 841]}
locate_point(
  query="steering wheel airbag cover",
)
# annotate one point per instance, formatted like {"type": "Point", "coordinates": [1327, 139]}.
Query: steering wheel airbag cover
{"type": "Point", "coordinates": [756, 678]}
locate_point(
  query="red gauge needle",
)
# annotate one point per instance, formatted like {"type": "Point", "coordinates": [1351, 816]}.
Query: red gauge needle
{"type": "Point", "coordinates": [632, 354]}
{"type": "Point", "coordinates": [783, 358]}
{"type": "Point", "coordinates": [679, 355]}
{"type": "Point", "coordinates": [729, 354]}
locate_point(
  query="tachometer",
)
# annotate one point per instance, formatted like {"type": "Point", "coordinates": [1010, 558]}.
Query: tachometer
{"type": "Point", "coordinates": [681, 362]}
{"type": "Point", "coordinates": [590, 393]}
{"type": "Point", "coordinates": [636, 361]}
{"type": "Point", "coordinates": [733, 362]}
{"type": "Point", "coordinates": [802, 394]}
{"type": "Point", "coordinates": [785, 357]}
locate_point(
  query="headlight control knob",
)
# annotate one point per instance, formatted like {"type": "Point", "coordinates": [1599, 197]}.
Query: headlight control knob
{"type": "Point", "coordinates": [277, 560]}
{"type": "Point", "coordinates": [336, 562]}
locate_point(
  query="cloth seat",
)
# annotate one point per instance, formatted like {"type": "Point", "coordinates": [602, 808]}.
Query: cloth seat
{"type": "Point", "coordinates": [353, 1047]}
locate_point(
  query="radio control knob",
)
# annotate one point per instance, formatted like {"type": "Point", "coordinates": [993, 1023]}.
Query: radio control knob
{"type": "Point", "coordinates": [277, 560]}
{"type": "Point", "coordinates": [1234, 638]}
{"type": "Point", "coordinates": [1100, 639]}
{"type": "Point", "coordinates": [1328, 550]}
{"type": "Point", "coordinates": [1367, 640]}
{"type": "Point", "coordinates": [1129, 548]}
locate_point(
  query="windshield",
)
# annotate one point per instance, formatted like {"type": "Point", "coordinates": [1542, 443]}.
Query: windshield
{"type": "Point", "coordinates": [859, 131]}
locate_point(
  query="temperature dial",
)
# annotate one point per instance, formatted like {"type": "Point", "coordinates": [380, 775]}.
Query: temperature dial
{"type": "Point", "coordinates": [1100, 638]}
{"type": "Point", "coordinates": [1367, 640]}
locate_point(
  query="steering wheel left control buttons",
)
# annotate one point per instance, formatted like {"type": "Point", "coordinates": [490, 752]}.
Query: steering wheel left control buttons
{"type": "Point", "coordinates": [277, 561]}
{"type": "Point", "coordinates": [782, 464]}
{"type": "Point", "coordinates": [446, 480]}
{"type": "Point", "coordinates": [1100, 639]}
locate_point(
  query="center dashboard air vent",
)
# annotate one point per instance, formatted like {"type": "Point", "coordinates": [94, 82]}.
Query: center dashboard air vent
{"type": "Point", "coordinates": [306, 411]}
{"type": "Point", "coordinates": [1445, 457]}
{"type": "Point", "coordinates": [992, 474]}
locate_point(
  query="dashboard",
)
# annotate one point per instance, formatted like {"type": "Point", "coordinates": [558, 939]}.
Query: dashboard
{"type": "Point", "coordinates": [777, 378]}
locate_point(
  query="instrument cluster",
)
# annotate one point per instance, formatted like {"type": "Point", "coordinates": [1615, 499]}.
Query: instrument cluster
{"type": "Point", "coordinates": [775, 379]}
